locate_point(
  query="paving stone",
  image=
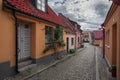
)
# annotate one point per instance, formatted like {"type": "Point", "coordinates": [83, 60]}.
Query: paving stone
{"type": "Point", "coordinates": [79, 67]}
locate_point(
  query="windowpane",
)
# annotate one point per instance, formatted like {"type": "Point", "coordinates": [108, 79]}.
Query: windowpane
{"type": "Point", "coordinates": [72, 41]}
{"type": "Point", "coordinates": [38, 6]}
{"type": "Point", "coordinates": [39, 1]}
{"type": "Point", "coordinates": [48, 34]}
{"type": "Point", "coordinates": [41, 4]}
{"type": "Point", "coordinates": [43, 8]}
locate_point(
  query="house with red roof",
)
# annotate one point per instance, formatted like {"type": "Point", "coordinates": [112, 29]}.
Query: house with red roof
{"type": "Point", "coordinates": [73, 33]}
{"type": "Point", "coordinates": [70, 32]}
{"type": "Point", "coordinates": [78, 34]}
{"type": "Point", "coordinates": [25, 29]}
{"type": "Point", "coordinates": [98, 36]}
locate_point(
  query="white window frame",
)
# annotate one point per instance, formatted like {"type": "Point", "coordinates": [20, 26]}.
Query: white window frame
{"type": "Point", "coordinates": [41, 5]}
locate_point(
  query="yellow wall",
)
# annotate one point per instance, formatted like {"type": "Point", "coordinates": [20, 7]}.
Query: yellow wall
{"type": "Point", "coordinates": [7, 36]}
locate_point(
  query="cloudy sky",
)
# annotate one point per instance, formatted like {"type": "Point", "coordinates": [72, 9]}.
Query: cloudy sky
{"type": "Point", "coordinates": [90, 14]}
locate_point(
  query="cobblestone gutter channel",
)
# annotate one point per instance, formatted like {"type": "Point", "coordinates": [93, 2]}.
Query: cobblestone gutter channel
{"type": "Point", "coordinates": [101, 65]}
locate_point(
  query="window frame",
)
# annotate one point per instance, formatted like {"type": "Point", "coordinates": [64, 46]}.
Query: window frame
{"type": "Point", "coordinates": [50, 34]}
{"type": "Point", "coordinates": [72, 41]}
{"type": "Point", "coordinates": [41, 6]}
{"type": "Point", "coordinates": [78, 39]}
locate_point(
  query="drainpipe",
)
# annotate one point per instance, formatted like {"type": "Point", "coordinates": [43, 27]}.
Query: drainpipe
{"type": "Point", "coordinates": [103, 41]}
{"type": "Point", "coordinates": [16, 41]}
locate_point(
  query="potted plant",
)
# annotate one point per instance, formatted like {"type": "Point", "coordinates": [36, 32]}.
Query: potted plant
{"type": "Point", "coordinates": [113, 70]}
{"type": "Point", "coordinates": [72, 51]}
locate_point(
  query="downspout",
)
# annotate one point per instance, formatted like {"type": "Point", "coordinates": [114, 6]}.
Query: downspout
{"type": "Point", "coordinates": [103, 41]}
{"type": "Point", "coordinates": [16, 41]}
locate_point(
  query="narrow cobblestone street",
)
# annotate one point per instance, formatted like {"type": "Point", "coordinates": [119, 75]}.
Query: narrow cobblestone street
{"type": "Point", "coordinates": [82, 66]}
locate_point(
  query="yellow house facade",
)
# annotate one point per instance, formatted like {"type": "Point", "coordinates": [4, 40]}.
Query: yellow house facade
{"type": "Point", "coordinates": [24, 36]}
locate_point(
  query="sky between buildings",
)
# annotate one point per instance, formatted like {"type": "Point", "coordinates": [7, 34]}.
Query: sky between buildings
{"type": "Point", "coordinates": [90, 14]}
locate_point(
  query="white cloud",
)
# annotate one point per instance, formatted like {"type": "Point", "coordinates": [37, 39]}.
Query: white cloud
{"type": "Point", "coordinates": [89, 13]}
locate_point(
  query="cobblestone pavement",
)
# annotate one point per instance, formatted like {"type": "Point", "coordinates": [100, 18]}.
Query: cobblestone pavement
{"type": "Point", "coordinates": [79, 67]}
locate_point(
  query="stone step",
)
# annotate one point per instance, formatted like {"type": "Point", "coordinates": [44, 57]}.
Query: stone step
{"type": "Point", "coordinates": [27, 67]}
{"type": "Point", "coordinates": [24, 63]}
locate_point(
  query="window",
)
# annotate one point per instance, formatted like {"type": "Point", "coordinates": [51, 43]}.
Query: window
{"type": "Point", "coordinates": [72, 41]}
{"type": "Point", "coordinates": [78, 39]}
{"type": "Point", "coordinates": [48, 34]}
{"type": "Point", "coordinates": [41, 5]}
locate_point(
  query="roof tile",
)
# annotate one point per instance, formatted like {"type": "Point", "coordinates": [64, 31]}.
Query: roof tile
{"type": "Point", "coordinates": [26, 7]}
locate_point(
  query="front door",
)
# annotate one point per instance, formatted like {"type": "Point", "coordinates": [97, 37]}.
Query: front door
{"type": "Point", "coordinates": [23, 42]}
{"type": "Point", "coordinates": [67, 44]}
{"type": "Point", "coordinates": [114, 44]}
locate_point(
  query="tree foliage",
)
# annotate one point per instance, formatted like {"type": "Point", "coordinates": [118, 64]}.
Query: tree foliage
{"type": "Point", "coordinates": [56, 41]}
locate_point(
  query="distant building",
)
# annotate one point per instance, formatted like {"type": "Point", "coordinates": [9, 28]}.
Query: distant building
{"type": "Point", "coordinates": [98, 36]}
{"type": "Point", "coordinates": [86, 36]}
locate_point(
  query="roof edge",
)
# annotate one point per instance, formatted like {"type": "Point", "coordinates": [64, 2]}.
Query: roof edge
{"type": "Point", "coordinates": [110, 13]}
{"type": "Point", "coordinates": [10, 7]}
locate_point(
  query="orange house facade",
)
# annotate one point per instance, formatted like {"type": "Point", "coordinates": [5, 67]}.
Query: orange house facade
{"type": "Point", "coordinates": [111, 41]}
{"type": "Point", "coordinates": [24, 34]}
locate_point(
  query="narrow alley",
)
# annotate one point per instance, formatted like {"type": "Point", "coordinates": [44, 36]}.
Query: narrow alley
{"type": "Point", "coordinates": [59, 40]}
{"type": "Point", "coordinates": [82, 66]}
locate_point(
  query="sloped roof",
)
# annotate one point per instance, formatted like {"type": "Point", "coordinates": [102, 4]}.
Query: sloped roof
{"type": "Point", "coordinates": [110, 13]}
{"type": "Point", "coordinates": [26, 7]}
{"type": "Point", "coordinates": [76, 29]}
{"type": "Point", "coordinates": [98, 34]}
{"type": "Point", "coordinates": [66, 23]}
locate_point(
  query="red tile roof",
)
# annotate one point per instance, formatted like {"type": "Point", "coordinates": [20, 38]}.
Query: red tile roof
{"type": "Point", "coordinates": [98, 34]}
{"type": "Point", "coordinates": [69, 27]}
{"type": "Point", "coordinates": [26, 7]}
{"type": "Point", "coordinates": [76, 29]}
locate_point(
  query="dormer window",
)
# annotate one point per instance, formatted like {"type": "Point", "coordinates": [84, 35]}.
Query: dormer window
{"type": "Point", "coordinates": [41, 5]}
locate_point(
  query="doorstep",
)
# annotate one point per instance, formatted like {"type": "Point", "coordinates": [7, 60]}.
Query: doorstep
{"type": "Point", "coordinates": [40, 68]}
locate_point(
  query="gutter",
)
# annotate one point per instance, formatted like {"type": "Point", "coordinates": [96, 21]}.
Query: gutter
{"type": "Point", "coordinates": [103, 43]}
{"type": "Point", "coordinates": [10, 7]}
{"type": "Point", "coordinates": [110, 13]}
{"type": "Point", "coordinates": [16, 41]}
